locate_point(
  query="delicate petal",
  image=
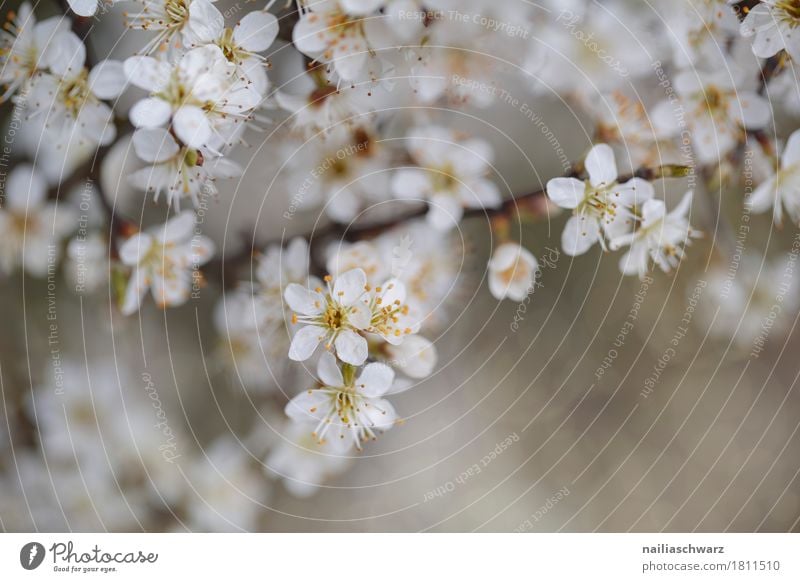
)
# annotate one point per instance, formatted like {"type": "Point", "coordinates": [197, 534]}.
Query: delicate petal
{"type": "Point", "coordinates": [25, 189]}
{"type": "Point", "coordinates": [566, 192]}
{"type": "Point", "coordinates": [84, 7]}
{"type": "Point", "coordinates": [351, 347]}
{"type": "Point", "coordinates": [147, 73]}
{"type": "Point", "coordinates": [256, 31]}
{"type": "Point", "coordinates": [328, 371]}
{"type": "Point", "coordinates": [304, 301]}
{"type": "Point", "coordinates": [107, 79]}
{"type": "Point", "coordinates": [601, 165]}
{"type": "Point", "coordinates": [154, 145]}
{"type": "Point", "coordinates": [305, 343]}
{"type": "Point", "coordinates": [307, 406]}
{"type": "Point", "coordinates": [579, 235]}
{"type": "Point", "coordinates": [151, 112]}
{"type": "Point", "coordinates": [192, 126]}
{"type": "Point", "coordinates": [350, 286]}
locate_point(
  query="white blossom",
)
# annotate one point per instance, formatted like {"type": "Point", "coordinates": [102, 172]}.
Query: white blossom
{"type": "Point", "coordinates": [659, 237]}
{"type": "Point", "coordinates": [23, 42]}
{"type": "Point", "coordinates": [71, 98]}
{"type": "Point", "coordinates": [164, 259]}
{"type": "Point", "coordinates": [451, 175]}
{"type": "Point", "coordinates": [200, 95]}
{"type": "Point", "coordinates": [512, 272]}
{"type": "Point", "coordinates": [303, 463]}
{"type": "Point", "coordinates": [336, 317]}
{"type": "Point", "coordinates": [253, 34]}
{"type": "Point", "coordinates": [178, 171]}
{"type": "Point", "coordinates": [781, 190]}
{"type": "Point", "coordinates": [718, 106]}
{"type": "Point", "coordinates": [32, 227]}
{"type": "Point", "coordinates": [335, 31]}
{"type": "Point", "coordinates": [346, 407]}
{"type": "Point", "coordinates": [601, 206]}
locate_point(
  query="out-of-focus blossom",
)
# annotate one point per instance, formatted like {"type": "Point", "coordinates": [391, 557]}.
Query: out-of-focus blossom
{"type": "Point", "coordinates": [512, 272]}
{"type": "Point", "coordinates": [32, 227]}
{"type": "Point", "coordinates": [164, 259]}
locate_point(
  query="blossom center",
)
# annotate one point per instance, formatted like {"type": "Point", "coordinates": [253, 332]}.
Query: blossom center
{"type": "Point", "coordinates": [75, 93]}
{"type": "Point", "coordinates": [791, 8]}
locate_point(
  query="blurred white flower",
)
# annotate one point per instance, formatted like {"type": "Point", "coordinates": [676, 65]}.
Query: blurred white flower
{"type": "Point", "coordinates": [276, 269]}
{"type": "Point", "coordinates": [88, 8]}
{"type": "Point", "coordinates": [512, 272]}
{"type": "Point", "coordinates": [23, 41]}
{"type": "Point", "coordinates": [659, 236]}
{"type": "Point", "coordinates": [164, 259]}
{"type": "Point", "coordinates": [782, 189]}
{"type": "Point", "coordinates": [70, 97]}
{"type": "Point", "coordinates": [416, 357]}
{"type": "Point", "coordinates": [717, 106]}
{"type": "Point", "coordinates": [324, 106]}
{"type": "Point", "coordinates": [87, 264]}
{"type": "Point", "coordinates": [303, 463]}
{"type": "Point", "coordinates": [347, 172]}
{"type": "Point", "coordinates": [336, 317]}
{"type": "Point", "coordinates": [335, 31]}
{"type": "Point", "coordinates": [200, 95]}
{"type": "Point", "coordinates": [226, 490]}
{"type": "Point", "coordinates": [601, 206]}
{"type": "Point", "coordinates": [178, 171]}
{"type": "Point", "coordinates": [32, 227]}
{"type": "Point", "coordinates": [451, 175]}
{"type": "Point", "coordinates": [350, 407]}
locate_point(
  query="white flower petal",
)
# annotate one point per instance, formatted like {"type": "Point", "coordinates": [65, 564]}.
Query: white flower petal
{"type": "Point", "coordinates": [154, 145]}
{"type": "Point", "coordinates": [376, 380]}
{"type": "Point", "coordinates": [304, 301]}
{"type": "Point", "coordinates": [351, 347]}
{"type": "Point", "coordinates": [256, 31]}
{"type": "Point", "coordinates": [601, 165]}
{"type": "Point", "coordinates": [150, 112]}
{"type": "Point", "coordinates": [566, 192]}
{"type": "Point", "coordinates": [328, 371]}
{"type": "Point", "coordinates": [192, 126]}
{"type": "Point", "coordinates": [350, 286]}
{"type": "Point", "coordinates": [305, 342]}
{"type": "Point", "coordinates": [107, 79]}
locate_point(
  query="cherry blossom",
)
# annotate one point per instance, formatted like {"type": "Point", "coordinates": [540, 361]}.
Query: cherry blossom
{"type": "Point", "coordinates": [451, 175]}
{"type": "Point", "coordinates": [601, 206]}
{"type": "Point", "coordinates": [178, 171]}
{"type": "Point", "coordinates": [32, 226]}
{"type": "Point", "coordinates": [164, 259]}
{"type": "Point", "coordinates": [71, 98]}
{"type": "Point", "coordinates": [347, 407]}
{"type": "Point", "coordinates": [23, 42]}
{"type": "Point", "coordinates": [659, 237]}
{"type": "Point", "coordinates": [336, 317]}
{"type": "Point", "coordinates": [781, 190]}
{"type": "Point", "coordinates": [512, 271]}
{"type": "Point", "coordinates": [199, 95]}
